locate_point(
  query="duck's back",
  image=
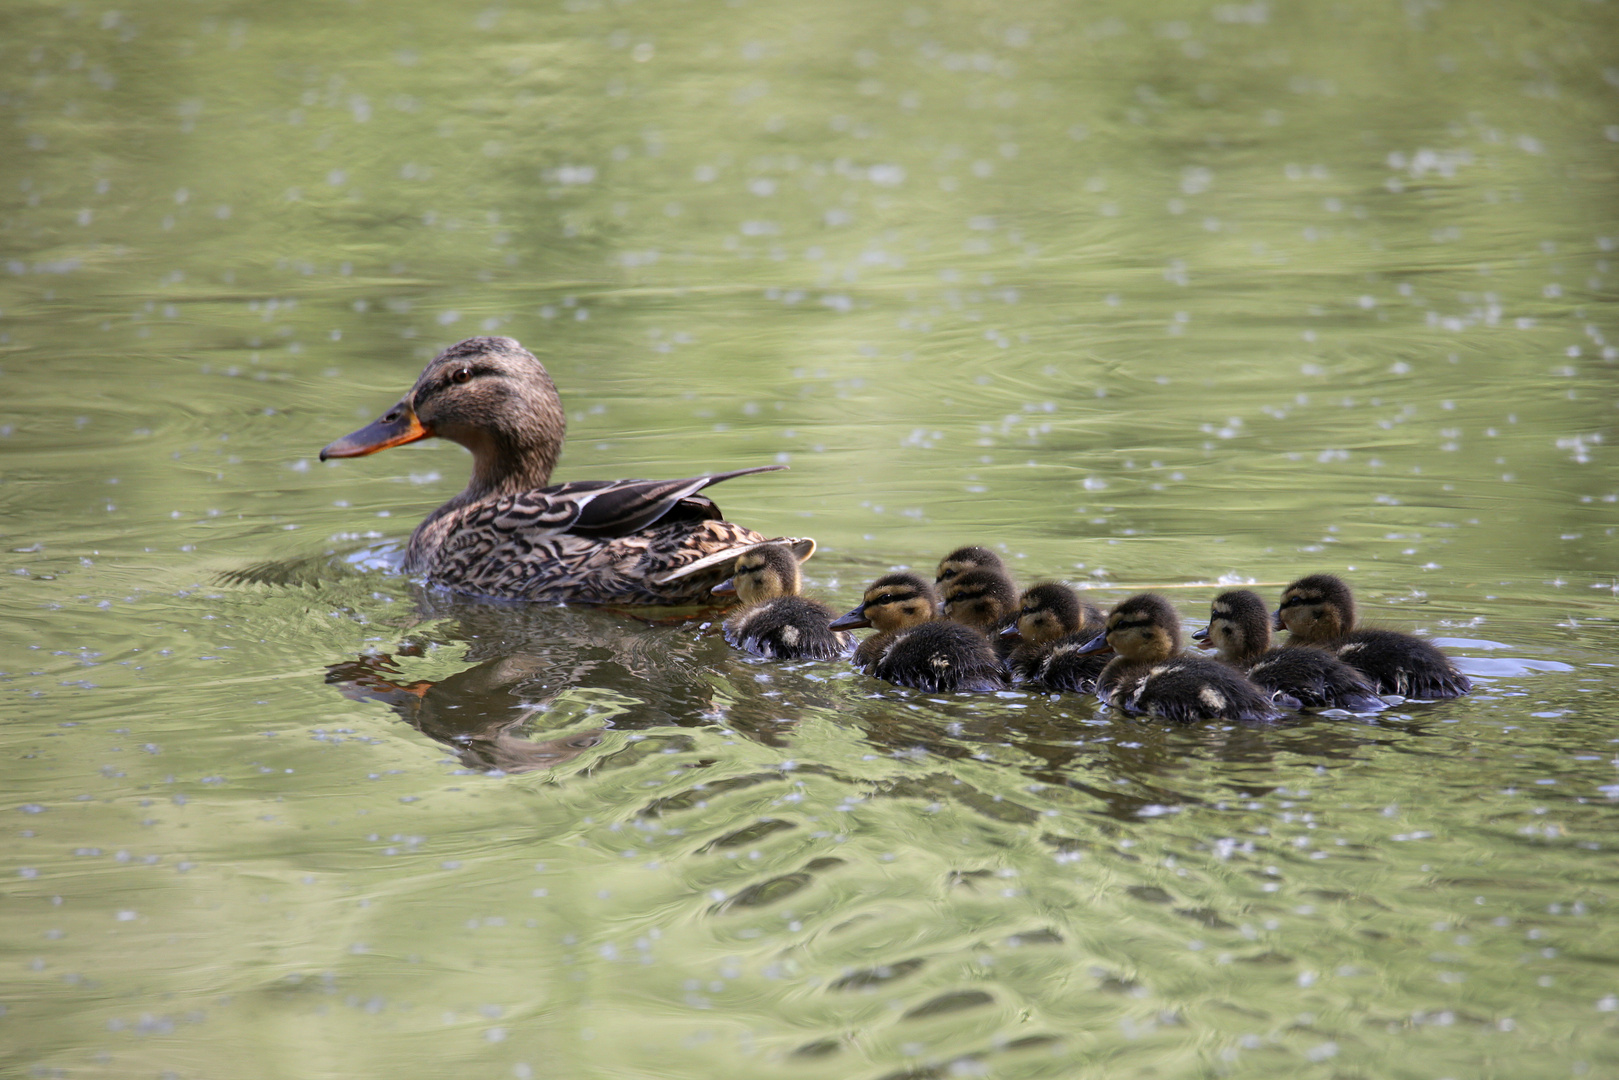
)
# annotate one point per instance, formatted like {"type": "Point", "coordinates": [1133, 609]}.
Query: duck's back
{"type": "Point", "coordinates": [1397, 663]}
{"type": "Point", "coordinates": [1184, 689]}
{"type": "Point", "coordinates": [1316, 678]}
{"type": "Point", "coordinates": [940, 656]}
{"type": "Point", "coordinates": [787, 628]}
{"type": "Point", "coordinates": [503, 549]}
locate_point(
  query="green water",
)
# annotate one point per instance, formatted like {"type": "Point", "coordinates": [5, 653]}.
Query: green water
{"type": "Point", "coordinates": [1150, 294]}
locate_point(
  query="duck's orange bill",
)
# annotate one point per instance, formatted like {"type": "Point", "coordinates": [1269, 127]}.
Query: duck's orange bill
{"type": "Point", "coordinates": [396, 427]}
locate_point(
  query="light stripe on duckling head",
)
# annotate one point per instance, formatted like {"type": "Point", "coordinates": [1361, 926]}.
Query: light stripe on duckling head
{"type": "Point", "coordinates": [1144, 627]}
{"type": "Point", "coordinates": [766, 572]}
{"type": "Point", "coordinates": [895, 601]}
{"type": "Point", "coordinates": [1319, 607]}
{"type": "Point", "coordinates": [964, 559]}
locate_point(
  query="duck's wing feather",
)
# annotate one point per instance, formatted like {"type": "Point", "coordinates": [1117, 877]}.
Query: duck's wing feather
{"type": "Point", "coordinates": [603, 509]}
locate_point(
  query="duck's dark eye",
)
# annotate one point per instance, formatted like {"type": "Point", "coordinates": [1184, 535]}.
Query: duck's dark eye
{"type": "Point", "coordinates": [461, 375]}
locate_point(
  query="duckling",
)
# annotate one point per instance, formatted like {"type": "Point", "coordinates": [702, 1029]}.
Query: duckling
{"type": "Point", "coordinates": [912, 646]}
{"type": "Point", "coordinates": [1147, 676]}
{"type": "Point", "coordinates": [982, 598]}
{"type": "Point", "coordinates": [968, 558]}
{"type": "Point", "coordinates": [1054, 622]}
{"type": "Point", "coordinates": [1320, 610]}
{"type": "Point", "coordinates": [775, 621]}
{"type": "Point", "coordinates": [1239, 628]}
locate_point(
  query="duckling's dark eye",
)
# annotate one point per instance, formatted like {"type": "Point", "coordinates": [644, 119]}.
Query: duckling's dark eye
{"type": "Point", "coordinates": [461, 375]}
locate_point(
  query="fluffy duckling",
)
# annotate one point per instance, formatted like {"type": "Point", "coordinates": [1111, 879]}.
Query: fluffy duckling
{"type": "Point", "coordinates": [775, 621]}
{"type": "Point", "coordinates": [964, 559]}
{"type": "Point", "coordinates": [1054, 623]}
{"type": "Point", "coordinates": [1147, 676]}
{"type": "Point", "coordinates": [982, 598]}
{"type": "Point", "coordinates": [1239, 629]}
{"type": "Point", "coordinates": [912, 646]}
{"type": "Point", "coordinates": [1320, 610]}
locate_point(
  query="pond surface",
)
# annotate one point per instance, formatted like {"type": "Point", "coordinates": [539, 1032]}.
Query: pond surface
{"type": "Point", "coordinates": [1150, 294]}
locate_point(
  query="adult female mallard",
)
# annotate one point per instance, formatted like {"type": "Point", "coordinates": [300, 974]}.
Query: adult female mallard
{"type": "Point", "coordinates": [509, 535]}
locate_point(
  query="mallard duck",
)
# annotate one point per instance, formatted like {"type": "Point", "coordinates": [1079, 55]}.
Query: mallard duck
{"type": "Point", "coordinates": [1240, 630]}
{"type": "Point", "coordinates": [967, 558]}
{"type": "Point", "coordinates": [1320, 610]}
{"type": "Point", "coordinates": [1149, 676]}
{"type": "Point", "coordinates": [1054, 624]}
{"type": "Point", "coordinates": [913, 646]}
{"type": "Point", "coordinates": [509, 535]}
{"type": "Point", "coordinates": [775, 621]}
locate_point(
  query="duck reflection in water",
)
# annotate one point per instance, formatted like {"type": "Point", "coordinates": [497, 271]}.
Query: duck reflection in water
{"type": "Point", "coordinates": [522, 659]}
{"type": "Point", "coordinates": [480, 712]}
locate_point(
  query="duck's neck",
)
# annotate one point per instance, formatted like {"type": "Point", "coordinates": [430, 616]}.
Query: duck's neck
{"type": "Point", "coordinates": [500, 467]}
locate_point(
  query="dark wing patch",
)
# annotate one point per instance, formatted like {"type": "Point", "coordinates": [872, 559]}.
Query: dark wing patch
{"type": "Point", "coordinates": [622, 507]}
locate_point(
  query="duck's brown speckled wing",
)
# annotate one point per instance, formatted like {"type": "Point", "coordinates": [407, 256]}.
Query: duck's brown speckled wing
{"type": "Point", "coordinates": [595, 541]}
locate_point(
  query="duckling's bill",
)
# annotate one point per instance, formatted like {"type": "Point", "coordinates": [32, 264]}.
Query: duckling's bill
{"type": "Point", "coordinates": [854, 620]}
{"type": "Point", "coordinates": [1097, 644]}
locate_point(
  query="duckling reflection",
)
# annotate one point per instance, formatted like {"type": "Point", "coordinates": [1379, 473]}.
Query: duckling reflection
{"type": "Point", "coordinates": [1320, 610]}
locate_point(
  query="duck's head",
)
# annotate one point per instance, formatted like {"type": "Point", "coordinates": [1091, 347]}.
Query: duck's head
{"type": "Point", "coordinates": [1317, 608]}
{"type": "Point", "coordinates": [964, 559]}
{"type": "Point", "coordinates": [983, 598]}
{"type": "Point", "coordinates": [1239, 626]}
{"type": "Point", "coordinates": [762, 573]}
{"type": "Point", "coordinates": [1143, 629]}
{"type": "Point", "coordinates": [1050, 610]}
{"type": "Point", "coordinates": [893, 602]}
{"type": "Point", "coordinates": [490, 395]}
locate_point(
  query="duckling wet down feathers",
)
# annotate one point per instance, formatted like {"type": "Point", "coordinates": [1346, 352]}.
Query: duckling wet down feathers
{"type": "Point", "coordinates": [1150, 676]}
{"type": "Point", "coordinates": [1319, 610]}
{"type": "Point", "coordinates": [1055, 623]}
{"type": "Point", "coordinates": [913, 646]}
{"type": "Point", "coordinates": [1240, 631]}
{"type": "Point", "coordinates": [775, 621]}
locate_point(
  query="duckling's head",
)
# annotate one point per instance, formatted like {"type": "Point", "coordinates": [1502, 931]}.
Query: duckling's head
{"type": "Point", "coordinates": [981, 598]}
{"type": "Point", "coordinates": [1317, 608]}
{"type": "Point", "coordinates": [964, 559]}
{"type": "Point", "coordinates": [762, 573]}
{"type": "Point", "coordinates": [489, 394]}
{"type": "Point", "coordinates": [893, 602]}
{"type": "Point", "coordinates": [1144, 628]}
{"type": "Point", "coordinates": [1239, 626]}
{"type": "Point", "coordinates": [1049, 611]}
